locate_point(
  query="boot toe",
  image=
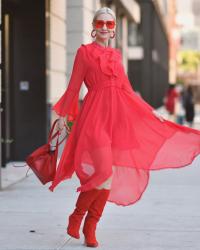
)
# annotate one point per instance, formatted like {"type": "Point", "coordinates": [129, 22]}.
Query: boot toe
{"type": "Point", "coordinates": [73, 234]}
{"type": "Point", "coordinates": [91, 244]}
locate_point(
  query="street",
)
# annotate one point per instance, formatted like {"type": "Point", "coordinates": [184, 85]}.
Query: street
{"type": "Point", "coordinates": [166, 218]}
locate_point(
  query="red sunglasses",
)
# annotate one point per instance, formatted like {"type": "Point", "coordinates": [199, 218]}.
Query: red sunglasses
{"type": "Point", "coordinates": [100, 23]}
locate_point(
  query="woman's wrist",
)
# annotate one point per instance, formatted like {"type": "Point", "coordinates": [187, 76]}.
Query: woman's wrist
{"type": "Point", "coordinates": [62, 117]}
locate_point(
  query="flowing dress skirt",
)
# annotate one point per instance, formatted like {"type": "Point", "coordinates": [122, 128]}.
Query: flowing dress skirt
{"type": "Point", "coordinates": [116, 134]}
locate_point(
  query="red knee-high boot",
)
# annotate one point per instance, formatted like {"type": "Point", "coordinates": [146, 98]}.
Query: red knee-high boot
{"type": "Point", "coordinates": [93, 216]}
{"type": "Point", "coordinates": [82, 205]}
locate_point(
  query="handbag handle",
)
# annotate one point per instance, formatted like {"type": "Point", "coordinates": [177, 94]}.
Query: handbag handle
{"type": "Point", "coordinates": [51, 137]}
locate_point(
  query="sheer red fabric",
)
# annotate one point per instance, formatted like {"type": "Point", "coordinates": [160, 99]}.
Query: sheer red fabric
{"type": "Point", "coordinates": [115, 132]}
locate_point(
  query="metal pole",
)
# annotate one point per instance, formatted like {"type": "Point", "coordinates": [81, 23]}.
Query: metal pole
{"type": "Point", "coordinates": [0, 151]}
{"type": "Point", "coordinates": [0, 121]}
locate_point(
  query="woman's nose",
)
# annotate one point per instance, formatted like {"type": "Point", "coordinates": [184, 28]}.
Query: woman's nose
{"type": "Point", "coordinates": [104, 26]}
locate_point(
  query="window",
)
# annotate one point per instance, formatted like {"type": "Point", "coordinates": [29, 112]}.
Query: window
{"type": "Point", "coordinates": [134, 34]}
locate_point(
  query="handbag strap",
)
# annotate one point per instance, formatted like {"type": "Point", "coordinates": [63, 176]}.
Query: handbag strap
{"type": "Point", "coordinates": [52, 136]}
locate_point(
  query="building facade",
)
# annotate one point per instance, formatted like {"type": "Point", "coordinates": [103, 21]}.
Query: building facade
{"type": "Point", "coordinates": [189, 20]}
{"type": "Point", "coordinates": [148, 53]}
{"type": "Point", "coordinates": [39, 42]}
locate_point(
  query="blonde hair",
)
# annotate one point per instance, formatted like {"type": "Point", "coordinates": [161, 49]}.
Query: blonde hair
{"type": "Point", "coordinates": [104, 10]}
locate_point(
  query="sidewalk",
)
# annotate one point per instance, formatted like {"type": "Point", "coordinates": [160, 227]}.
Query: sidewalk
{"type": "Point", "coordinates": [165, 114]}
{"type": "Point", "coordinates": [166, 218]}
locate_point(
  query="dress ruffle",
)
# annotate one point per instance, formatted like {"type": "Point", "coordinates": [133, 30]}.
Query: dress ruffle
{"type": "Point", "coordinates": [107, 59]}
{"type": "Point", "coordinates": [116, 133]}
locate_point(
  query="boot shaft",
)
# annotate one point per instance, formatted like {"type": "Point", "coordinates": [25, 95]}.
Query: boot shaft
{"type": "Point", "coordinates": [93, 216]}
{"type": "Point", "coordinates": [83, 203]}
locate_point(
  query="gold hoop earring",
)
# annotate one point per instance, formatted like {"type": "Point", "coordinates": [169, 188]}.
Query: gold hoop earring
{"type": "Point", "coordinates": [93, 35]}
{"type": "Point", "coordinates": [113, 35]}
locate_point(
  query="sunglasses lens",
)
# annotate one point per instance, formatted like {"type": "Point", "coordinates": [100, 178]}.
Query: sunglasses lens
{"type": "Point", "coordinates": [110, 24]}
{"type": "Point", "coordinates": [99, 23]}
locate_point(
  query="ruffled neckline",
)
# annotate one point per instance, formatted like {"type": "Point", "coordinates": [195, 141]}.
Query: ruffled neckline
{"type": "Point", "coordinates": [107, 57]}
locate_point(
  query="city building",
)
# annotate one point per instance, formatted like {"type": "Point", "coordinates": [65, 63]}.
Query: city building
{"type": "Point", "coordinates": [188, 20]}
{"type": "Point", "coordinates": [39, 42]}
{"type": "Point", "coordinates": [148, 60]}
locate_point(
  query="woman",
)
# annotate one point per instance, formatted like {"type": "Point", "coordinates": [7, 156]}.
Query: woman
{"type": "Point", "coordinates": [116, 138]}
{"type": "Point", "coordinates": [188, 100]}
{"type": "Point", "coordinates": [171, 96]}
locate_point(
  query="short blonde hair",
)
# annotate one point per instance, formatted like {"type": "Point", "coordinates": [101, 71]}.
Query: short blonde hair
{"type": "Point", "coordinates": [104, 10]}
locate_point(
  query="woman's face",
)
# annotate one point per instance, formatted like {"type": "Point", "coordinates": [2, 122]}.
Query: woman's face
{"type": "Point", "coordinates": [103, 31]}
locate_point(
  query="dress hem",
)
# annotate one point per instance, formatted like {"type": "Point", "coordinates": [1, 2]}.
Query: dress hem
{"type": "Point", "coordinates": [131, 203]}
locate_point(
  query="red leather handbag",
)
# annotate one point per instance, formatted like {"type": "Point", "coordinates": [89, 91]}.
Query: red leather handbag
{"type": "Point", "coordinates": [43, 160]}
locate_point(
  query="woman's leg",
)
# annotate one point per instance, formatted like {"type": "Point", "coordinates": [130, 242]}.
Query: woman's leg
{"type": "Point", "coordinates": [95, 212]}
{"type": "Point", "coordinates": [92, 201]}
{"type": "Point", "coordinates": [83, 203]}
{"type": "Point", "coordinates": [106, 184]}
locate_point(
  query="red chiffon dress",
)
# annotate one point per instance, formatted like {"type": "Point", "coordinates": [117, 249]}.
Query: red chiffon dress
{"type": "Point", "coordinates": [115, 132]}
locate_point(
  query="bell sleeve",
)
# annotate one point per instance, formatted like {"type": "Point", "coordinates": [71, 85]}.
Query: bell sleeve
{"type": "Point", "coordinates": [68, 103]}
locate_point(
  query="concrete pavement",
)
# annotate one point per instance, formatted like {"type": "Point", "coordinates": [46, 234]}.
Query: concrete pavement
{"type": "Point", "coordinates": [166, 218]}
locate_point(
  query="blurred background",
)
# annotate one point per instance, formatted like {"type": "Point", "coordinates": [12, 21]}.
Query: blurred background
{"type": "Point", "coordinates": [159, 41]}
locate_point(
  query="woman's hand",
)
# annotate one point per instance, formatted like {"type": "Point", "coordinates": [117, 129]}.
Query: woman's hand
{"type": "Point", "coordinates": [60, 123]}
{"type": "Point", "coordinates": [158, 115]}
{"type": "Point", "coordinates": [63, 123]}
